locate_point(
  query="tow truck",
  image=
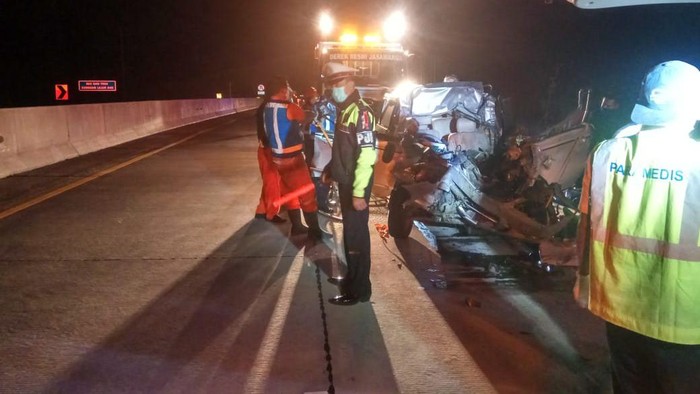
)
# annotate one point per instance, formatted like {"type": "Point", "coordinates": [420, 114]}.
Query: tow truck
{"type": "Point", "coordinates": [383, 64]}
{"type": "Point", "coordinates": [381, 59]}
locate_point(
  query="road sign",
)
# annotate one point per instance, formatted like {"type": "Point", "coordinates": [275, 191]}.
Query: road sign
{"type": "Point", "coordinates": [61, 91]}
{"type": "Point", "coordinates": [97, 86]}
{"type": "Point", "coordinates": [261, 90]}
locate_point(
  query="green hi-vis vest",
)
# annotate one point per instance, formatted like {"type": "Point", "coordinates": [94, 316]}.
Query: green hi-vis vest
{"type": "Point", "coordinates": [645, 234]}
{"type": "Point", "coordinates": [354, 146]}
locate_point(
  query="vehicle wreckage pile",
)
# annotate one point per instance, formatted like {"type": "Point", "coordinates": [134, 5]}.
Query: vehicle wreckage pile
{"type": "Point", "coordinates": [456, 164]}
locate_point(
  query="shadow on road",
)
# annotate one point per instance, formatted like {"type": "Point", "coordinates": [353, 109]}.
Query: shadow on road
{"type": "Point", "coordinates": [354, 343]}
{"type": "Point", "coordinates": [150, 350]}
{"type": "Point", "coordinates": [251, 314]}
{"type": "Point", "coordinates": [549, 351]}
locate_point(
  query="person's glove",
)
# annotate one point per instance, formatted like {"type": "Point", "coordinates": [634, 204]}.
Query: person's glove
{"type": "Point", "coordinates": [582, 290]}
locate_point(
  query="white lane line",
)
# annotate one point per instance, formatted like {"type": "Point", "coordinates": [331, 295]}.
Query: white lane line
{"type": "Point", "coordinates": [260, 372]}
{"type": "Point", "coordinates": [80, 182]}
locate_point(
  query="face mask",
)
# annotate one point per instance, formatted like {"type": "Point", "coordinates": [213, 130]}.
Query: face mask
{"type": "Point", "coordinates": [339, 94]}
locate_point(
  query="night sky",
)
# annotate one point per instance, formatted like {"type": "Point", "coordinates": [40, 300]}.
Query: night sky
{"type": "Point", "coordinates": [155, 49]}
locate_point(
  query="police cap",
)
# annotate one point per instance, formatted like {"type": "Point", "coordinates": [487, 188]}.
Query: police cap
{"type": "Point", "coordinates": [333, 72]}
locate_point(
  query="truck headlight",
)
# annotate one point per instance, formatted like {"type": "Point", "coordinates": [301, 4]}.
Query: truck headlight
{"type": "Point", "coordinates": [325, 23]}
{"type": "Point", "coordinates": [395, 26]}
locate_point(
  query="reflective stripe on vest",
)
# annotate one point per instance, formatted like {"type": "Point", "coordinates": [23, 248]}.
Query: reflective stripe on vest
{"type": "Point", "coordinates": [645, 234]}
{"type": "Point", "coordinates": [326, 113]}
{"type": "Point", "coordinates": [283, 134]}
{"type": "Point", "coordinates": [351, 113]}
{"type": "Point", "coordinates": [328, 123]}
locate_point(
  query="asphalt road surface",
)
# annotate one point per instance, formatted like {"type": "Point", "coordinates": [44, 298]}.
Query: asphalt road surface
{"type": "Point", "coordinates": [140, 269]}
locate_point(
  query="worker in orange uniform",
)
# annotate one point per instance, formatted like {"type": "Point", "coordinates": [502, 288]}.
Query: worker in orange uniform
{"type": "Point", "coordinates": [271, 188]}
{"type": "Point", "coordinates": [282, 123]}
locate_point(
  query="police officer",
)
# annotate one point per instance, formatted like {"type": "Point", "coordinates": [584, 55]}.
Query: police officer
{"type": "Point", "coordinates": [282, 121]}
{"type": "Point", "coordinates": [639, 237]}
{"type": "Point", "coordinates": [352, 167]}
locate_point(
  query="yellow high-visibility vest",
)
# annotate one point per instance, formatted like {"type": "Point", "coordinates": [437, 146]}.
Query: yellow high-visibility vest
{"type": "Point", "coordinates": [644, 246]}
{"type": "Point", "coordinates": [354, 146]}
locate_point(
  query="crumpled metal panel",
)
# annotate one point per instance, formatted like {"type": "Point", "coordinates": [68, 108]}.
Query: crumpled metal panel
{"type": "Point", "coordinates": [561, 158]}
{"type": "Point", "coordinates": [437, 99]}
{"type": "Point", "coordinates": [491, 214]}
{"type": "Point", "coordinates": [433, 108]}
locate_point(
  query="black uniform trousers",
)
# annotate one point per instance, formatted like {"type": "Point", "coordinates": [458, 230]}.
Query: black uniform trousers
{"type": "Point", "coordinates": [357, 245]}
{"type": "Point", "coordinates": [641, 364]}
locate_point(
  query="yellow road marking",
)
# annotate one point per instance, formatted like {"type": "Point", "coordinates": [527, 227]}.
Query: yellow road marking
{"type": "Point", "coordinates": [92, 177]}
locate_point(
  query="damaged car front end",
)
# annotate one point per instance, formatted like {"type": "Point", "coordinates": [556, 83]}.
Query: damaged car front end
{"type": "Point", "coordinates": [456, 165]}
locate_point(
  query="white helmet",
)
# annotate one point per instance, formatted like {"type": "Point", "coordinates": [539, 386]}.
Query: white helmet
{"type": "Point", "coordinates": [670, 93]}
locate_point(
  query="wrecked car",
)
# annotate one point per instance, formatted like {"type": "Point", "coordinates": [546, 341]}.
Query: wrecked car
{"type": "Point", "coordinates": [455, 164]}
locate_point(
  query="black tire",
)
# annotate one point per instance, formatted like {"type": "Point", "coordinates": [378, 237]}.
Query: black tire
{"type": "Point", "coordinates": [400, 219]}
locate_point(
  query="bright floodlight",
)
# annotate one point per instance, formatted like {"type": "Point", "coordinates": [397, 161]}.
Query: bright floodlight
{"type": "Point", "coordinates": [325, 24]}
{"type": "Point", "coordinates": [348, 38]}
{"type": "Point", "coordinates": [403, 88]}
{"type": "Point", "coordinates": [395, 26]}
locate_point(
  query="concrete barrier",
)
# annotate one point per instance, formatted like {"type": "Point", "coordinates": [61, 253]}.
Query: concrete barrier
{"type": "Point", "coordinates": [34, 137]}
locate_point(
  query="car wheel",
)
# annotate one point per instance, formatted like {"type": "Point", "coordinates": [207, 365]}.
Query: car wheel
{"type": "Point", "coordinates": [400, 219]}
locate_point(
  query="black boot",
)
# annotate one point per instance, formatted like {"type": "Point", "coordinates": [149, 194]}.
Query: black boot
{"type": "Point", "coordinates": [297, 226]}
{"type": "Point", "coordinates": [315, 232]}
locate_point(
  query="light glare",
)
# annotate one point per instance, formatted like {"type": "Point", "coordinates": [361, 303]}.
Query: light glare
{"type": "Point", "coordinates": [403, 88]}
{"type": "Point", "coordinates": [395, 26]}
{"type": "Point", "coordinates": [348, 38]}
{"type": "Point", "coordinates": [325, 24]}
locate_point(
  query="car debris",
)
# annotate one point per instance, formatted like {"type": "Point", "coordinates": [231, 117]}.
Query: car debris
{"type": "Point", "coordinates": [455, 164]}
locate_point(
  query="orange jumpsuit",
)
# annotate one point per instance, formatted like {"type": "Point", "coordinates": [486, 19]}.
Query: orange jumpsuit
{"type": "Point", "coordinates": [281, 122]}
{"type": "Point", "coordinates": [272, 187]}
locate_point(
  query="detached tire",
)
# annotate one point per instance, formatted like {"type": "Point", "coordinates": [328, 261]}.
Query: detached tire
{"type": "Point", "coordinates": [400, 219]}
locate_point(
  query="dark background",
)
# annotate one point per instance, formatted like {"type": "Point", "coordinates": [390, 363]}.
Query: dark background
{"type": "Point", "coordinates": [537, 52]}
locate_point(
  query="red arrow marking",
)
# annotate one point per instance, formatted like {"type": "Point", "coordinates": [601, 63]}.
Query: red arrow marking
{"type": "Point", "coordinates": [61, 92]}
